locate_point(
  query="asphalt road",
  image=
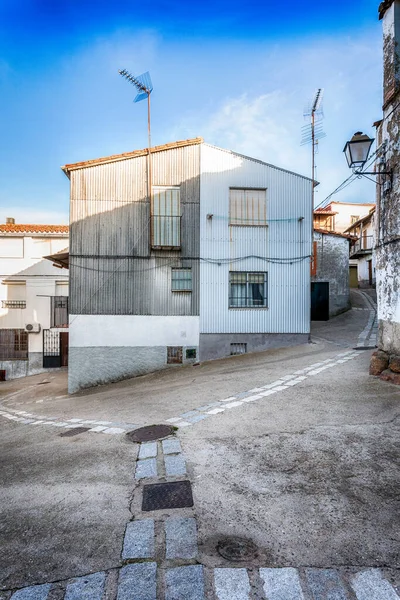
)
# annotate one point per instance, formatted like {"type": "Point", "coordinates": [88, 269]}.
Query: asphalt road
{"type": "Point", "coordinates": [309, 475]}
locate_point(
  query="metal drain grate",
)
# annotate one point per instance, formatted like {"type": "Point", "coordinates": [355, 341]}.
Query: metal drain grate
{"type": "Point", "coordinates": [150, 433]}
{"type": "Point", "coordinates": [237, 549]}
{"type": "Point", "coordinates": [74, 431]}
{"type": "Point", "coordinates": [157, 496]}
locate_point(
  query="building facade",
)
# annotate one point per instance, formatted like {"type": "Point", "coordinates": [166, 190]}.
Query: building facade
{"type": "Point", "coordinates": [216, 262]}
{"type": "Point", "coordinates": [388, 189]}
{"type": "Point", "coordinates": [33, 299]}
{"type": "Point", "coordinates": [330, 290]}
{"type": "Point", "coordinates": [339, 216]}
{"type": "Point", "coordinates": [362, 254]}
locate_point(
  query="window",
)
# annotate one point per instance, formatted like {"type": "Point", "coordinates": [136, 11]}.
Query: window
{"type": "Point", "coordinates": [191, 353]}
{"type": "Point", "coordinates": [181, 280]}
{"type": "Point", "coordinates": [174, 355]}
{"type": "Point", "coordinates": [166, 217]}
{"type": "Point", "coordinates": [238, 348]}
{"type": "Point", "coordinates": [13, 304]}
{"type": "Point", "coordinates": [247, 290]}
{"type": "Point", "coordinates": [354, 219]}
{"type": "Point", "coordinates": [13, 344]}
{"type": "Point", "coordinates": [59, 311]}
{"type": "Point", "coordinates": [247, 207]}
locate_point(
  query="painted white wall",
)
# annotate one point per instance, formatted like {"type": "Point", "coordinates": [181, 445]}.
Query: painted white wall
{"type": "Point", "coordinates": [346, 210]}
{"type": "Point", "coordinates": [132, 331]}
{"type": "Point", "coordinates": [32, 278]}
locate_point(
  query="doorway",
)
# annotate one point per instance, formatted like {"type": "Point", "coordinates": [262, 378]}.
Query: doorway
{"type": "Point", "coordinates": [320, 301]}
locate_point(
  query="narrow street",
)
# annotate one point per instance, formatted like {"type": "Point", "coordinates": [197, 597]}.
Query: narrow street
{"type": "Point", "coordinates": [292, 457]}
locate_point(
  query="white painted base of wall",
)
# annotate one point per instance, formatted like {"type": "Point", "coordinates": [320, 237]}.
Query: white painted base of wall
{"type": "Point", "coordinates": [132, 331]}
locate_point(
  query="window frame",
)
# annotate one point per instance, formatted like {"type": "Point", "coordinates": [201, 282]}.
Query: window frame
{"type": "Point", "coordinates": [18, 340]}
{"type": "Point", "coordinates": [234, 221]}
{"type": "Point", "coordinates": [177, 289]}
{"type": "Point", "coordinates": [248, 296]}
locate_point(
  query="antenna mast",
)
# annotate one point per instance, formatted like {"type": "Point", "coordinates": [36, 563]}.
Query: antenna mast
{"type": "Point", "coordinates": [144, 88]}
{"type": "Point", "coordinates": [312, 132]}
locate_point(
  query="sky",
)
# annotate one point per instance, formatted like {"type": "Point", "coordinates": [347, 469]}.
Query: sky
{"type": "Point", "coordinates": [239, 74]}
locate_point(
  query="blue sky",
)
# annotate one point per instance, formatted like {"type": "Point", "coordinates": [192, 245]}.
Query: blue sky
{"type": "Point", "coordinates": [237, 73]}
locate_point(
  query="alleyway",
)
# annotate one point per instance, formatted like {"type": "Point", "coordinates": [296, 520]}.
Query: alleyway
{"type": "Point", "coordinates": [293, 460]}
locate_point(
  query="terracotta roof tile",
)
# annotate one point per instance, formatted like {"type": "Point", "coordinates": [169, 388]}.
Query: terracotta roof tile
{"type": "Point", "coordinates": [134, 154]}
{"type": "Point", "coordinates": [23, 228]}
{"type": "Point", "coordinates": [343, 235]}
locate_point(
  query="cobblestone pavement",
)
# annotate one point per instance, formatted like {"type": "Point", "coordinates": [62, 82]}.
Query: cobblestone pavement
{"type": "Point", "coordinates": [159, 559]}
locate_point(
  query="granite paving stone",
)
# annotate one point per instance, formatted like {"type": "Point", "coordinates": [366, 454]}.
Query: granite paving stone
{"type": "Point", "coordinates": [148, 450]}
{"type": "Point", "coordinates": [370, 585]}
{"type": "Point", "coordinates": [181, 537]}
{"type": "Point", "coordinates": [175, 465]}
{"type": "Point", "coordinates": [326, 584]}
{"type": "Point", "coordinates": [184, 583]}
{"type": "Point", "coordinates": [172, 446]}
{"type": "Point", "coordinates": [139, 539]}
{"type": "Point", "coordinates": [232, 584]}
{"type": "Point", "coordinates": [138, 582]}
{"type": "Point", "coordinates": [282, 584]}
{"type": "Point", "coordinates": [146, 468]}
{"type": "Point", "coordinates": [90, 587]}
{"type": "Point", "coordinates": [35, 592]}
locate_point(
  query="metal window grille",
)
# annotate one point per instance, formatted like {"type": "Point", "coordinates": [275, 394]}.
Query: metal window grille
{"type": "Point", "coordinates": [238, 348]}
{"type": "Point", "coordinates": [247, 290]}
{"type": "Point", "coordinates": [174, 355]}
{"type": "Point", "coordinates": [247, 207]}
{"type": "Point", "coordinates": [13, 304]}
{"type": "Point", "coordinates": [13, 344]}
{"type": "Point", "coordinates": [166, 217]}
{"type": "Point", "coordinates": [59, 311]}
{"type": "Point", "coordinates": [181, 280]}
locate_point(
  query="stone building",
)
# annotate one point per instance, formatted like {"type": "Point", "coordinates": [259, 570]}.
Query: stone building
{"type": "Point", "coordinates": [387, 217]}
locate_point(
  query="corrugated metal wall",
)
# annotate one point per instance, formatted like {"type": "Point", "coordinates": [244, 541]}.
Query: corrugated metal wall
{"type": "Point", "coordinates": [110, 226]}
{"type": "Point", "coordinates": [288, 200]}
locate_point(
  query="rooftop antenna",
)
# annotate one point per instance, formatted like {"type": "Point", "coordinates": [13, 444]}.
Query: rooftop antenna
{"type": "Point", "coordinates": [313, 132]}
{"type": "Point", "coordinates": [144, 88]}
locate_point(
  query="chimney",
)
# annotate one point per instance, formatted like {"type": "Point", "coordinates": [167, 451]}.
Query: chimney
{"type": "Point", "coordinates": [10, 221]}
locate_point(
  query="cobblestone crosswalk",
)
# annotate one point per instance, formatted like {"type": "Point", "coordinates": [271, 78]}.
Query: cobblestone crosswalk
{"type": "Point", "coordinates": [147, 581]}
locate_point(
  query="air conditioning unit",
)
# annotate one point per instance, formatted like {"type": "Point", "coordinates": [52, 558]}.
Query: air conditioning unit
{"type": "Point", "coordinates": [32, 327]}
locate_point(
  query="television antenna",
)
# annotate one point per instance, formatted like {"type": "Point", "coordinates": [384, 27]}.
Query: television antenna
{"type": "Point", "coordinates": [144, 88]}
{"type": "Point", "coordinates": [313, 132]}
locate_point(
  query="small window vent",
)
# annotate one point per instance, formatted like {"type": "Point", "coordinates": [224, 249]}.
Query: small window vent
{"type": "Point", "coordinates": [191, 353]}
{"type": "Point", "coordinates": [174, 355]}
{"type": "Point", "coordinates": [238, 349]}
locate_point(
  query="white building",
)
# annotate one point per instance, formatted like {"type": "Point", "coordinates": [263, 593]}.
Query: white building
{"type": "Point", "coordinates": [362, 256]}
{"type": "Point", "coordinates": [215, 261]}
{"type": "Point", "coordinates": [33, 299]}
{"type": "Point", "coordinates": [339, 216]}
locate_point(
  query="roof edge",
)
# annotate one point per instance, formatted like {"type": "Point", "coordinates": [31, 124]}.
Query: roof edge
{"type": "Point", "coordinates": [347, 236]}
{"type": "Point", "coordinates": [127, 155]}
{"type": "Point", "coordinates": [261, 162]}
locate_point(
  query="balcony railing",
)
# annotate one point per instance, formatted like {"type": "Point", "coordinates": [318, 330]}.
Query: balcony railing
{"type": "Point", "coordinates": [165, 232]}
{"type": "Point", "coordinates": [363, 245]}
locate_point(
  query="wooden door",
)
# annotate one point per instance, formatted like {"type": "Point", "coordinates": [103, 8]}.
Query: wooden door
{"type": "Point", "coordinates": [64, 348]}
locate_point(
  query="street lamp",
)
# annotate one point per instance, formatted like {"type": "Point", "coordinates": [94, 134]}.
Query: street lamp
{"type": "Point", "coordinates": [357, 150]}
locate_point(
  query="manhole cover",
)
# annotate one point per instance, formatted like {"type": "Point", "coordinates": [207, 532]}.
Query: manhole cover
{"type": "Point", "coordinates": [158, 496]}
{"type": "Point", "coordinates": [74, 431]}
{"type": "Point", "coordinates": [150, 433]}
{"type": "Point", "coordinates": [237, 549]}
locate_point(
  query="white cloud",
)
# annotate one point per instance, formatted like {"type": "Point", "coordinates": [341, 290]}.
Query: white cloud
{"type": "Point", "coordinates": [268, 125]}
